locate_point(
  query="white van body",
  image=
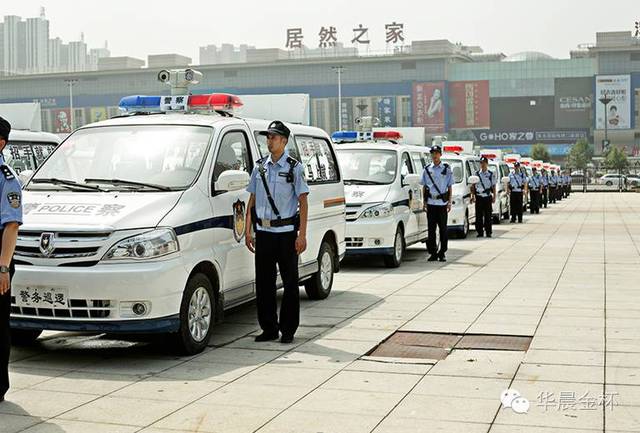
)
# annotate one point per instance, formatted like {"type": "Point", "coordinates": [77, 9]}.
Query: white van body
{"type": "Point", "coordinates": [81, 248]}
{"type": "Point", "coordinates": [463, 212]}
{"type": "Point", "coordinates": [385, 204]}
{"type": "Point", "coordinates": [27, 150]}
{"type": "Point", "coordinates": [501, 207]}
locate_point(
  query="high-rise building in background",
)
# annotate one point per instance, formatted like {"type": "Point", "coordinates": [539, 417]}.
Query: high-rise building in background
{"type": "Point", "coordinates": [26, 47]}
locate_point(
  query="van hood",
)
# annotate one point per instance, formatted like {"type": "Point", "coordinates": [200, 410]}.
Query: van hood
{"type": "Point", "coordinates": [362, 194]}
{"type": "Point", "coordinates": [44, 210]}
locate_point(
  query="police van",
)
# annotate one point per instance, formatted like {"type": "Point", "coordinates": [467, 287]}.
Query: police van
{"type": "Point", "coordinates": [464, 166]}
{"type": "Point", "coordinates": [500, 170]}
{"type": "Point", "coordinates": [136, 224]}
{"type": "Point", "coordinates": [384, 199]}
{"type": "Point", "coordinates": [27, 150]}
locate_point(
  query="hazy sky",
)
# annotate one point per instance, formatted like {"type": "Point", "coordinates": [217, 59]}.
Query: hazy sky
{"type": "Point", "coordinates": [137, 28]}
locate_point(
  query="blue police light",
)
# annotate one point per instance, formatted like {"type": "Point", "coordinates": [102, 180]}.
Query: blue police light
{"type": "Point", "coordinates": [140, 103]}
{"type": "Point", "coordinates": [345, 136]}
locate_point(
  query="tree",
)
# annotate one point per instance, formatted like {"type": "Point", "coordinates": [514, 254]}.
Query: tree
{"type": "Point", "coordinates": [616, 159]}
{"type": "Point", "coordinates": [580, 155]}
{"type": "Point", "coordinates": [540, 152]}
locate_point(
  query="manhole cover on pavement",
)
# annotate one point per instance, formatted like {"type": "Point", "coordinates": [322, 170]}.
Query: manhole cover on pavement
{"type": "Point", "coordinates": [392, 350]}
{"type": "Point", "coordinates": [495, 342]}
{"type": "Point", "coordinates": [444, 341]}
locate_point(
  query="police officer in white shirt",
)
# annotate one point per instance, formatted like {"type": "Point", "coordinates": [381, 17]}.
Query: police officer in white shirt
{"type": "Point", "coordinates": [484, 195]}
{"type": "Point", "coordinates": [517, 189]}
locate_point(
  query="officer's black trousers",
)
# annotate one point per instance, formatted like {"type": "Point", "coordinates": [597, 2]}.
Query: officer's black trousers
{"type": "Point", "coordinates": [5, 339]}
{"type": "Point", "coordinates": [535, 201]}
{"type": "Point", "coordinates": [559, 192]}
{"type": "Point", "coordinates": [437, 217]}
{"type": "Point", "coordinates": [552, 194]}
{"type": "Point", "coordinates": [484, 215]}
{"type": "Point", "coordinates": [545, 196]}
{"type": "Point", "coordinates": [516, 206]}
{"type": "Point", "coordinates": [280, 249]}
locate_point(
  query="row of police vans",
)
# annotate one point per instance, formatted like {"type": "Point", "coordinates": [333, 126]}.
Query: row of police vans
{"type": "Point", "coordinates": [136, 224]}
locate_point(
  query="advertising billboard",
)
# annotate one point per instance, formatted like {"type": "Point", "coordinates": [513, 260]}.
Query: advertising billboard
{"type": "Point", "coordinates": [98, 114]}
{"type": "Point", "coordinates": [529, 136]}
{"type": "Point", "coordinates": [61, 121]}
{"type": "Point", "coordinates": [469, 105]}
{"type": "Point", "coordinates": [430, 106]}
{"type": "Point", "coordinates": [535, 112]}
{"type": "Point", "coordinates": [618, 111]}
{"type": "Point", "coordinates": [387, 111]}
{"type": "Point", "coordinates": [573, 102]}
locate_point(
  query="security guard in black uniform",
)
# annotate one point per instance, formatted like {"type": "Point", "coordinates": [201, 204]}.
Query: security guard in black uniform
{"type": "Point", "coordinates": [278, 211]}
{"type": "Point", "coordinates": [484, 195]}
{"type": "Point", "coordinates": [10, 220]}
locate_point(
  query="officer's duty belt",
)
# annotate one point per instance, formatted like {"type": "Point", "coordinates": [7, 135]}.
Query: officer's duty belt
{"type": "Point", "coordinates": [282, 222]}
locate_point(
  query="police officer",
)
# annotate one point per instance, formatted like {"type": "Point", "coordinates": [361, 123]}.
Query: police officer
{"type": "Point", "coordinates": [517, 188]}
{"type": "Point", "coordinates": [535, 191]}
{"type": "Point", "coordinates": [484, 195]}
{"type": "Point", "coordinates": [545, 187]}
{"type": "Point", "coordinates": [560, 187]}
{"type": "Point", "coordinates": [278, 210]}
{"type": "Point", "coordinates": [553, 187]}
{"type": "Point", "coordinates": [10, 220]}
{"type": "Point", "coordinates": [437, 180]}
{"type": "Point", "coordinates": [567, 184]}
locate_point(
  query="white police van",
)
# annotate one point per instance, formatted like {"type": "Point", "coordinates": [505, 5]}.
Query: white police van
{"type": "Point", "coordinates": [464, 166]}
{"type": "Point", "coordinates": [27, 150]}
{"type": "Point", "coordinates": [136, 224]}
{"type": "Point", "coordinates": [500, 170]}
{"type": "Point", "coordinates": [385, 205]}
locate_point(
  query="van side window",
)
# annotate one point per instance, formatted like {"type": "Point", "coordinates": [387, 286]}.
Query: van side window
{"type": "Point", "coordinates": [291, 147]}
{"type": "Point", "coordinates": [405, 167]}
{"type": "Point", "coordinates": [418, 161]}
{"type": "Point", "coordinates": [470, 169]}
{"type": "Point", "coordinates": [233, 154]}
{"type": "Point", "coordinates": [319, 161]}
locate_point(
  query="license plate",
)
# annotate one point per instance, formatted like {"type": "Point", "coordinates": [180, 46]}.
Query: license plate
{"type": "Point", "coordinates": [41, 298]}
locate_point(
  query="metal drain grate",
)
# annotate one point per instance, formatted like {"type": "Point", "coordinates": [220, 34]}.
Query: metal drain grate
{"type": "Point", "coordinates": [430, 345]}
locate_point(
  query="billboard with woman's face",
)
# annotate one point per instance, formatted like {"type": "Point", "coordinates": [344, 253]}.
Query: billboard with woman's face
{"type": "Point", "coordinates": [430, 106]}
{"type": "Point", "coordinates": [618, 111]}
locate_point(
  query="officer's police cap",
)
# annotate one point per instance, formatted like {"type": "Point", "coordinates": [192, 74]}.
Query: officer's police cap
{"type": "Point", "coordinates": [484, 159]}
{"type": "Point", "coordinates": [516, 164]}
{"type": "Point", "coordinates": [5, 129]}
{"type": "Point", "coordinates": [436, 148]}
{"type": "Point", "coordinates": [277, 128]}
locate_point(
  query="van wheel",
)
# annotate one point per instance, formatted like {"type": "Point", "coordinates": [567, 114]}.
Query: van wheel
{"type": "Point", "coordinates": [24, 337]}
{"type": "Point", "coordinates": [320, 284]}
{"type": "Point", "coordinates": [609, 183]}
{"type": "Point", "coordinates": [462, 234]}
{"type": "Point", "coordinates": [499, 219]}
{"type": "Point", "coordinates": [196, 316]}
{"type": "Point", "coordinates": [395, 260]}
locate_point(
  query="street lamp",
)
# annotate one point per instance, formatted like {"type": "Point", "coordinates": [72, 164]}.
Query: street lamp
{"type": "Point", "coordinates": [605, 100]}
{"type": "Point", "coordinates": [339, 70]}
{"type": "Point", "coordinates": [71, 82]}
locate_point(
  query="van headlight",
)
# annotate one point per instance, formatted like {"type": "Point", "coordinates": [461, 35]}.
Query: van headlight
{"type": "Point", "coordinates": [150, 245]}
{"type": "Point", "coordinates": [379, 211]}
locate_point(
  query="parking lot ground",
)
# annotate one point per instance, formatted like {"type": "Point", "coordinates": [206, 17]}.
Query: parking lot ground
{"type": "Point", "coordinates": [567, 278]}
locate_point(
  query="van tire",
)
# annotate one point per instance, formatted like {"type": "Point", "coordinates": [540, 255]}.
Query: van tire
{"type": "Point", "coordinates": [498, 220]}
{"type": "Point", "coordinates": [319, 286]}
{"type": "Point", "coordinates": [395, 260]}
{"type": "Point", "coordinates": [24, 337]}
{"type": "Point", "coordinates": [198, 299]}
{"type": "Point", "coordinates": [464, 231]}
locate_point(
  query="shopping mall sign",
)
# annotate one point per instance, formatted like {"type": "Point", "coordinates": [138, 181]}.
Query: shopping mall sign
{"type": "Point", "coordinates": [529, 136]}
{"type": "Point", "coordinates": [328, 36]}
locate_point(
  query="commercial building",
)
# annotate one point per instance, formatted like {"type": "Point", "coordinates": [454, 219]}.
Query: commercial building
{"type": "Point", "coordinates": [509, 102]}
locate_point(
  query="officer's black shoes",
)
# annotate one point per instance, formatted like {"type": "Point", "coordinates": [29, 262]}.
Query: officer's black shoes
{"type": "Point", "coordinates": [286, 339]}
{"type": "Point", "coordinates": [1, 398]}
{"type": "Point", "coordinates": [432, 258]}
{"type": "Point", "coordinates": [488, 235]}
{"type": "Point", "coordinates": [266, 336]}
{"type": "Point", "coordinates": [442, 258]}
{"type": "Point", "coordinates": [479, 235]}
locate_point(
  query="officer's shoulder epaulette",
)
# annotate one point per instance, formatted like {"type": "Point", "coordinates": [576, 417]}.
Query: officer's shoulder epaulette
{"type": "Point", "coordinates": [292, 161]}
{"type": "Point", "coordinates": [262, 160]}
{"type": "Point", "coordinates": [6, 172]}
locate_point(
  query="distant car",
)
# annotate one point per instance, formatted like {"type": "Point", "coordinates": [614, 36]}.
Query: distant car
{"type": "Point", "coordinates": [633, 179]}
{"type": "Point", "coordinates": [612, 179]}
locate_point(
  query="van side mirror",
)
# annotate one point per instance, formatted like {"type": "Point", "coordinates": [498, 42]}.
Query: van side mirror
{"type": "Point", "coordinates": [231, 180]}
{"type": "Point", "coordinates": [25, 176]}
{"type": "Point", "coordinates": [506, 179]}
{"type": "Point", "coordinates": [473, 180]}
{"type": "Point", "coordinates": [412, 180]}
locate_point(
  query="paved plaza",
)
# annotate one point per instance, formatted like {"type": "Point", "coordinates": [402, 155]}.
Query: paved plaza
{"type": "Point", "coordinates": [569, 278]}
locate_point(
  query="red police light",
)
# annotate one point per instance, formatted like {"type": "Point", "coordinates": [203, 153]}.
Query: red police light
{"type": "Point", "coordinates": [214, 102]}
{"type": "Point", "coordinates": [454, 149]}
{"type": "Point", "coordinates": [489, 155]}
{"type": "Point", "coordinates": [387, 135]}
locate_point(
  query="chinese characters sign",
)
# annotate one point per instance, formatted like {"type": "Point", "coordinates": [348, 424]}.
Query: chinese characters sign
{"type": "Point", "coordinates": [469, 104]}
{"type": "Point", "coordinates": [491, 136]}
{"type": "Point", "coordinates": [618, 111]}
{"type": "Point", "coordinates": [430, 106]}
{"type": "Point", "coordinates": [328, 36]}
{"type": "Point", "coordinates": [387, 111]}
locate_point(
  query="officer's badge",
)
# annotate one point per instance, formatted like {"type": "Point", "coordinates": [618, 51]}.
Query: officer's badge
{"type": "Point", "coordinates": [14, 199]}
{"type": "Point", "coordinates": [238, 220]}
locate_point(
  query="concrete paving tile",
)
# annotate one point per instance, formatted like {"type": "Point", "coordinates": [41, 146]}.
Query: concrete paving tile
{"type": "Point", "coordinates": [564, 357]}
{"type": "Point", "coordinates": [623, 375]}
{"type": "Point", "coordinates": [623, 418]}
{"type": "Point", "coordinates": [260, 396]}
{"type": "Point", "coordinates": [276, 374]}
{"type": "Point", "coordinates": [349, 333]}
{"type": "Point", "coordinates": [624, 395]}
{"type": "Point", "coordinates": [45, 404]}
{"type": "Point", "coordinates": [126, 411]}
{"type": "Point", "coordinates": [561, 373]}
{"type": "Point", "coordinates": [590, 344]}
{"type": "Point", "coordinates": [621, 359]}
{"type": "Point", "coordinates": [441, 408]}
{"type": "Point", "coordinates": [372, 382]}
{"type": "Point", "coordinates": [497, 428]}
{"type": "Point", "coordinates": [343, 401]}
{"type": "Point", "coordinates": [59, 426]}
{"type": "Point", "coordinates": [217, 372]}
{"type": "Point", "coordinates": [26, 377]}
{"type": "Point", "coordinates": [394, 424]}
{"type": "Point", "coordinates": [156, 388]}
{"type": "Point", "coordinates": [136, 367]}
{"type": "Point", "coordinates": [86, 383]}
{"type": "Point", "coordinates": [238, 356]}
{"type": "Point", "coordinates": [299, 421]}
{"type": "Point", "coordinates": [623, 345]}
{"type": "Point", "coordinates": [214, 419]}
{"type": "Point", "coordinates": [16, 423]}
{"type": "Point", "coordinates": [467, 387]}
{"type": "Point", "coordinates": [381, 366]}
{"type": "Point", "coordinates": [479, 363]}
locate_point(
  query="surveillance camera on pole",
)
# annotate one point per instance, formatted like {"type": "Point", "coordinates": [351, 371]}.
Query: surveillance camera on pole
{"type": "Point", "coordinates": [179, 79]}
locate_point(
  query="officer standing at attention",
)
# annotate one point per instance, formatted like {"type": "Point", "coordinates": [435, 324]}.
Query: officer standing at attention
{"type": "Point", "coordinates": [517, 187]}
{"type": "Point", "coordinates": [560, 187]}
{"type": "Point", "coordinates": [567, 184]}
{"type": "Point", "coordinates": [553, 187]}
{"type": "Point", "coordinates": [484, 195]}
{"type": "Point", "coordinates": [545, 187]}
{"type": "Point", "coordinates": [278, 210]}
{"type": "Point", "coordinates": [535, 191]}
{"type": "Point", "coordinates": [437, 180]}
{"type": "Point", "coordinates": [10, 220]}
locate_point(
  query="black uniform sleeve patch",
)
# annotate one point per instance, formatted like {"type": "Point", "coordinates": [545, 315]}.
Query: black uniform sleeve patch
{"type": "Point", "coordinates": [14, 199]}
{"type": "Point", "coordinates": [6, 172]}
{"type": "Point", "coordinates": [292, 161]}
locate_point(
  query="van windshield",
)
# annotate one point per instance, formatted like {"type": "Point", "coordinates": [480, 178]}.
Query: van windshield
{"type": "Point", "coordinates": [132, 156]}
{"type": "Point", "coordinates": [456, 169]}
{"type": "Point", "coordinates": [368, 167]}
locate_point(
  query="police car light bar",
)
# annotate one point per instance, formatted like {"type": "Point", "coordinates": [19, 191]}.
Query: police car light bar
{"type": "Point", "coordinates": [350, 136]}
{"type": "Point", "coordinates": [454, 149]}
{"type": "Point", "coordinates": [212, 102]}
{"type": "Point", "coordinates": [489, 155]}
{"type": "Point", "coordinates": [387, 135]}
